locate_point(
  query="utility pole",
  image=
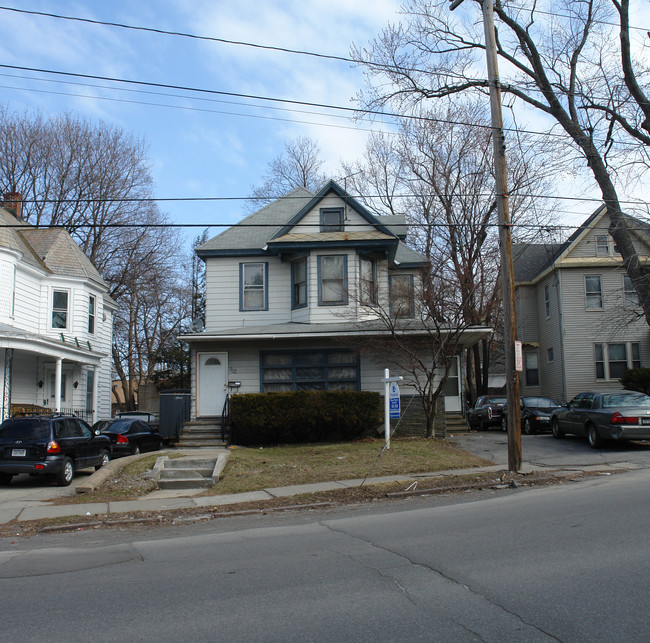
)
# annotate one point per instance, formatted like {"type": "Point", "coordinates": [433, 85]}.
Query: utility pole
{"type": "Point", "coordinates": [505, 238]}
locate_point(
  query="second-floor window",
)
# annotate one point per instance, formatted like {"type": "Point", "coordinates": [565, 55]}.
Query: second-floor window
{"type": "Point", "coordinates": [593, 292]}
{"type": "Point", "coordinates": [332, 280]}
{"type": "Point", "coordinates": [60, 309]}
{"type": "Point", "coordinates": [253, 294]}
{"type": "Point", "coordinates": [602, 245]}
{"type": "Point", "coordinates": [547, 300]}
{"type": "Point", "coordinates": [299, 283]}
{"type": "Point", "coordinates": [91, 314]}
{"type": "Point", "coordinates": [630, 293]}
{"type": "Point", "coordinates": [400, 292]}
{"type": "Point", "coordinates": [368, 281]}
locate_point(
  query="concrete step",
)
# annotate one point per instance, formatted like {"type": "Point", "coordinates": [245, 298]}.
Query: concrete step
{"type": "Point", "coordinates": [188, 473]}
{"type": "Point", "coordinates": [190, 443]}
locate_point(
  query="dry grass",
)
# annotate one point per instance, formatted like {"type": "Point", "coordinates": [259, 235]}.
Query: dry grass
{"type": "Point", "coordinates": [251, 469]}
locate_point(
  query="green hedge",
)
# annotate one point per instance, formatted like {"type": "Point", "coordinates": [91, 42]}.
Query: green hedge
{"type": "Point", "coordinates": [303, 416]}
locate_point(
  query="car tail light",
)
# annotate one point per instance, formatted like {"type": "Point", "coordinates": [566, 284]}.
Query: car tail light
{"type": "Point", "coordinates": [38, 467]}
{"type": "Point", "coordinates": [121, 439]}
{"type": "Point", "coordinates": [53, 447]}
{"type": "Point", "coordinates": [617, 418]}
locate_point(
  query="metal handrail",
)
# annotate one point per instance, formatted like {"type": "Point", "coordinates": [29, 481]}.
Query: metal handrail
{"type": "Point", "coordinates": [225, 416]}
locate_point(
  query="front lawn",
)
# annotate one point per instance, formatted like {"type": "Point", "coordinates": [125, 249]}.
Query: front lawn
{"type": "Point", "coordinates": [250, 469]}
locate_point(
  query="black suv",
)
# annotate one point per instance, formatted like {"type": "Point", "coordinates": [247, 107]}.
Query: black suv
{"type": "Point", "coordinates": [50, 445]}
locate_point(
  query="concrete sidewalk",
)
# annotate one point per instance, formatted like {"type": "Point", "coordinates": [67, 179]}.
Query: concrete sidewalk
{"type": "Point", "coordinates": [25, 510]}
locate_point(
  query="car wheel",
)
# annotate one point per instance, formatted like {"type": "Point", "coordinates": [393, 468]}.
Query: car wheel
{"type": "Point", "coordinates": [595, 441]}
{"type": "Point", "coordinates": [504, 424]}
{"type": "Point", "coordinates": [106, 458]}
{"type": "Point", "coordinates": [528, 427]}
{"type": "Point", "coordinates": [5, 478]}
{"type": "Point", "coordinates": [64, 477]}
{"type": "Point", "coordinates": [556, 430]}
{"type": "Point", "coordinates": [136, 451]}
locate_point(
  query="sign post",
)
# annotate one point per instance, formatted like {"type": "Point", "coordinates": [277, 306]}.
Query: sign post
{"type": "Point", "coordinates": [391, 403]}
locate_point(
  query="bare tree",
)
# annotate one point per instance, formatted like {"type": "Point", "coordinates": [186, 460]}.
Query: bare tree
{"type": "Point", "coordinates": [570, 61]}
{"type": "Point", "coordinates": [299, 165]}
{"type": "Point", "coordinates": [94, 180]}
{"type": "Point", "coordinates": [439, 174]}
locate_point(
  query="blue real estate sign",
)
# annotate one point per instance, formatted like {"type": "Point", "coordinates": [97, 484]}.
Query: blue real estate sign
{"type": "Point", "coordinates": [393, 401]}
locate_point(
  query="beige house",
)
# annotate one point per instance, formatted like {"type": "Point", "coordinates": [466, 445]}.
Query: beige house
{"type": "Point", "coordinates": [577, 311]}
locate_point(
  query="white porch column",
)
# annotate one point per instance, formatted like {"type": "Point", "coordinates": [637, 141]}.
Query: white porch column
{"type": "Point", "coordinates": [57, 384]}
{"type": "Point", "coordinates": [95, 395]}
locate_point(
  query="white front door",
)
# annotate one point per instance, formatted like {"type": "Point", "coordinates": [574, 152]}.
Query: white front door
{"type": "Point", "coordinates": [211, 386]}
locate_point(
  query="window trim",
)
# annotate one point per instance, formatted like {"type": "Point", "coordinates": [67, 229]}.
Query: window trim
{"type": "Point", "coordinates": [632, 359]}
{"type": "Point", "coordinates": [294, 283]}
{"type": "Point", "coordinates": [338, 302]}
{"type": "Point", "coordinates": [630, 295]}
{"type": "Point", "coordinates": [603, 249]}
{"type": "Point", "coordinates": [92, 313]}
{"type": "Point", "coordinates": [265, 285]}
{"type": "Point", "coordinates": [391, 278]}
{"type": "Point", "coordinates": [547, 301]}
{"type": "Point", "coordinates": [67, 313]}
{"type": "Point", "coordinates": [331, 227]}
{"type": "Point", "coordinates": [594, 293]}
{"type": "Point", "coordinates": [373, 300]}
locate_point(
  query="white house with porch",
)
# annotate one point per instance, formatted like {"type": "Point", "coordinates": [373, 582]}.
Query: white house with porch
{"type": "Point", "coordinates": [294, 293]}
{"type": "Point", "coordinates": [56, 322]}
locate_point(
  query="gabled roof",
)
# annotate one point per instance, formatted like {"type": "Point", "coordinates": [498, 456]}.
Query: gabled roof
{"type": "Point", "coordinates": [52, 250]}
{"type": "Point", "coordinates": [532, 260]}
{"type": "Point", "coordinates": [273, 230]}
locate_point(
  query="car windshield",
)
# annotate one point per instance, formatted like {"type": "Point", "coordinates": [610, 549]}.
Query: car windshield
{"type": "Point", "coordinates": [618, 400]}
{"type": "Point", "coordinates": [118, 426]}
{"type": "Point", "coordinates": [25, 430]}
{"type": "Point", "coordinates": [539, 402]}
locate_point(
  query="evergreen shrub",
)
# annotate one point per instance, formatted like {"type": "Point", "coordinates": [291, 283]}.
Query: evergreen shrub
{"type": "Point", "coordinates": [303, 416]}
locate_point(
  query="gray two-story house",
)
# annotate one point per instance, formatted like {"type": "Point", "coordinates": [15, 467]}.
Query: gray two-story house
{"type": "Point", "coordinates": [577, 312]}
{"type": "Point", "coordinates": [295, 291]}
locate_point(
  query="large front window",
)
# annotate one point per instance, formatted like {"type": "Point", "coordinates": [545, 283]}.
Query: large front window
{"type": "Point", "coordinates": [60, 309]}
{"type": "Point", "coordinates": [333, 280]}
{"type": "Point", "coordinates": [400, 289]}
{"type": "Point", "coordinates": [612, 360]}
{"type": "Point", "coordinates": [312, 370]}
{"type": "Point", "coordinates": [253, 288]}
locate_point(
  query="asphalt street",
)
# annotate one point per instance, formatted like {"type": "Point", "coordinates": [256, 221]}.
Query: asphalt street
{"type": "Point", "coordinates": [561, 563]}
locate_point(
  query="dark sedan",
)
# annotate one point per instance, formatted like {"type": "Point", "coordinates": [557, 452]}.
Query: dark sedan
{"type": "Point", "coordinates": [486, 412]}
{"type": "Point", "coordinates": [624, 415]}
{"type": "Point", "coordinates": [535, 414]}
{"type": "Point", "coordinates": [130, 436]}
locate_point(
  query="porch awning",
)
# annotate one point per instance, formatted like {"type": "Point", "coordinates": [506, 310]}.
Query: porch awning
{"type": "Point", "coordinates": [66, 347]}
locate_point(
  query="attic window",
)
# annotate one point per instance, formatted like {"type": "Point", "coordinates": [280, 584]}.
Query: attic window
{"type": "Point", "coordinates": [602, 246]}
{"type": "Point", "coordinates": [331, 220]}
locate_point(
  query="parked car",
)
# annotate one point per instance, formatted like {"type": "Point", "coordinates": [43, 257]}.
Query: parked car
{"type": "Point", "coordinates": [129, 436]}
{"type": "Point", "coordinates": [535, 414]}
{"type": "Point", "coordinates": [623, 415]}
{"type": "Point", "coordinates": [50, 445]}
{"type": "Point", "coordinates": [486, 412]}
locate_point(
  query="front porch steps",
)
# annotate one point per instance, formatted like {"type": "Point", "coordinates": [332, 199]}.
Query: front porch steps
{"type": "Point", "coordinates": [455, 422]}
{"type": "Point", "coordinates": [201, 433]}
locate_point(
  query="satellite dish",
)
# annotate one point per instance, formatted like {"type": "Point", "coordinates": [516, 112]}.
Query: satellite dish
{"type": "Point", "coordinates": [196, 326]}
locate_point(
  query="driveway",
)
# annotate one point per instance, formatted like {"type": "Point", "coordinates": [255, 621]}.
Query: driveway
{"type": "Point", "coordinates": [544, 450]}
{"type": "Point", "coordinates": [27, 489]}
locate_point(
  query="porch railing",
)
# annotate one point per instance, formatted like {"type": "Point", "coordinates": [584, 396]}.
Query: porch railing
{"type": "Point", "coordinates": [35, 409]}
{"type": "Point", "coordinates": [225, 417]}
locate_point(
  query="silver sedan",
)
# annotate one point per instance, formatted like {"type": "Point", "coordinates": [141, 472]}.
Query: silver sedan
{"type": "Point", "coordinates": [622, 415]}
